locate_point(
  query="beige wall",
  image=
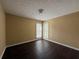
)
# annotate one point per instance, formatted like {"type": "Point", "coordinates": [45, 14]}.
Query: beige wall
{"type": "Point", "coordinates": [2, 30]}
{"type": "Point", "coordinates": [19, 29]}
{"type": "Point", "coordinates": [65, 29]}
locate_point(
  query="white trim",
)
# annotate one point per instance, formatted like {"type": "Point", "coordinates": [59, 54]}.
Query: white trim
{"type": "Point", "coordinates": [35, 40]}
{"type": "Point", "coordinates": [2, 53]}
{"type": "Point", "coordinates": [15, 45]}
{"type": "Point", "coordinates": [20, 43]}
{"type": "Point", "coordinates": [63, 44]}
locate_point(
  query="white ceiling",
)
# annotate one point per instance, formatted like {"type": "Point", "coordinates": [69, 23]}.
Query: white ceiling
{"type": "Point", "coordinates": [29, 8]}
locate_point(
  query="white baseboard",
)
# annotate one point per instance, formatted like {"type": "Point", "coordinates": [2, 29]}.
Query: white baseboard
{"type": "Point", "coordinates": [35, 40]}
{"type": "Point", "coordinates": [15, 45]}
{"type": "Point", "coordinates": [63, 44]}
{"type": "Point", "coordinates": [20, 43]}
{"type": "Point", "coordinates": [2, 53]}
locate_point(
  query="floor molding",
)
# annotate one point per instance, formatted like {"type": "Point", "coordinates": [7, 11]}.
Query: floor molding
{"type": "Point", "coordinates": [77, 49]}
{"type": "Point", "coordinates": [2, 53]}
{"type": "Point", "coordinates": [63, 44]}
{"type": "Point", "coordinates": [20, 43]}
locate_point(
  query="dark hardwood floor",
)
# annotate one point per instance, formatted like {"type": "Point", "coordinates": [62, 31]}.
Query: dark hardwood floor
{"type": "Point", "coordinates": [40, 49]}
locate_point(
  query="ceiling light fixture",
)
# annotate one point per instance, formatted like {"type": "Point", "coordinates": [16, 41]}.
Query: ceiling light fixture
{"type": "Point", "coordinates": [40, 11]}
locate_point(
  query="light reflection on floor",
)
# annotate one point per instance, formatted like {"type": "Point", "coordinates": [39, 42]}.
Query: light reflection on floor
{"type": "Point", "coordinates": [41, 46]}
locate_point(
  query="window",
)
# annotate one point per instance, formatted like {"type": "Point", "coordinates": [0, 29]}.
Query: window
{"type": "Point", "coordinates": [45, 30]}
{"type": "Point", "coordinates": [42, 30]}
{"type": "Point", "coordinates": [38, 30]}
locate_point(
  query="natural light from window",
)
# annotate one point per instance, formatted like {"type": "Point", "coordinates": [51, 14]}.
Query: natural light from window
{"type": "Point", "coordinates": [38, 30]}
{"type": "Point", "coordinates": [45, 30]}
{"type": "Point", "coordinates": [42, 30]}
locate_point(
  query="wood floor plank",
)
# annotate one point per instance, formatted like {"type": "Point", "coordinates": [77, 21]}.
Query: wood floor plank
{"type": "Point", "coordinates": [40, 49]}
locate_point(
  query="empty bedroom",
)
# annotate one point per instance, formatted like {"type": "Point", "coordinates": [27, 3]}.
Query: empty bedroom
{"type": "Point", "coordinates": [39, 29]}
